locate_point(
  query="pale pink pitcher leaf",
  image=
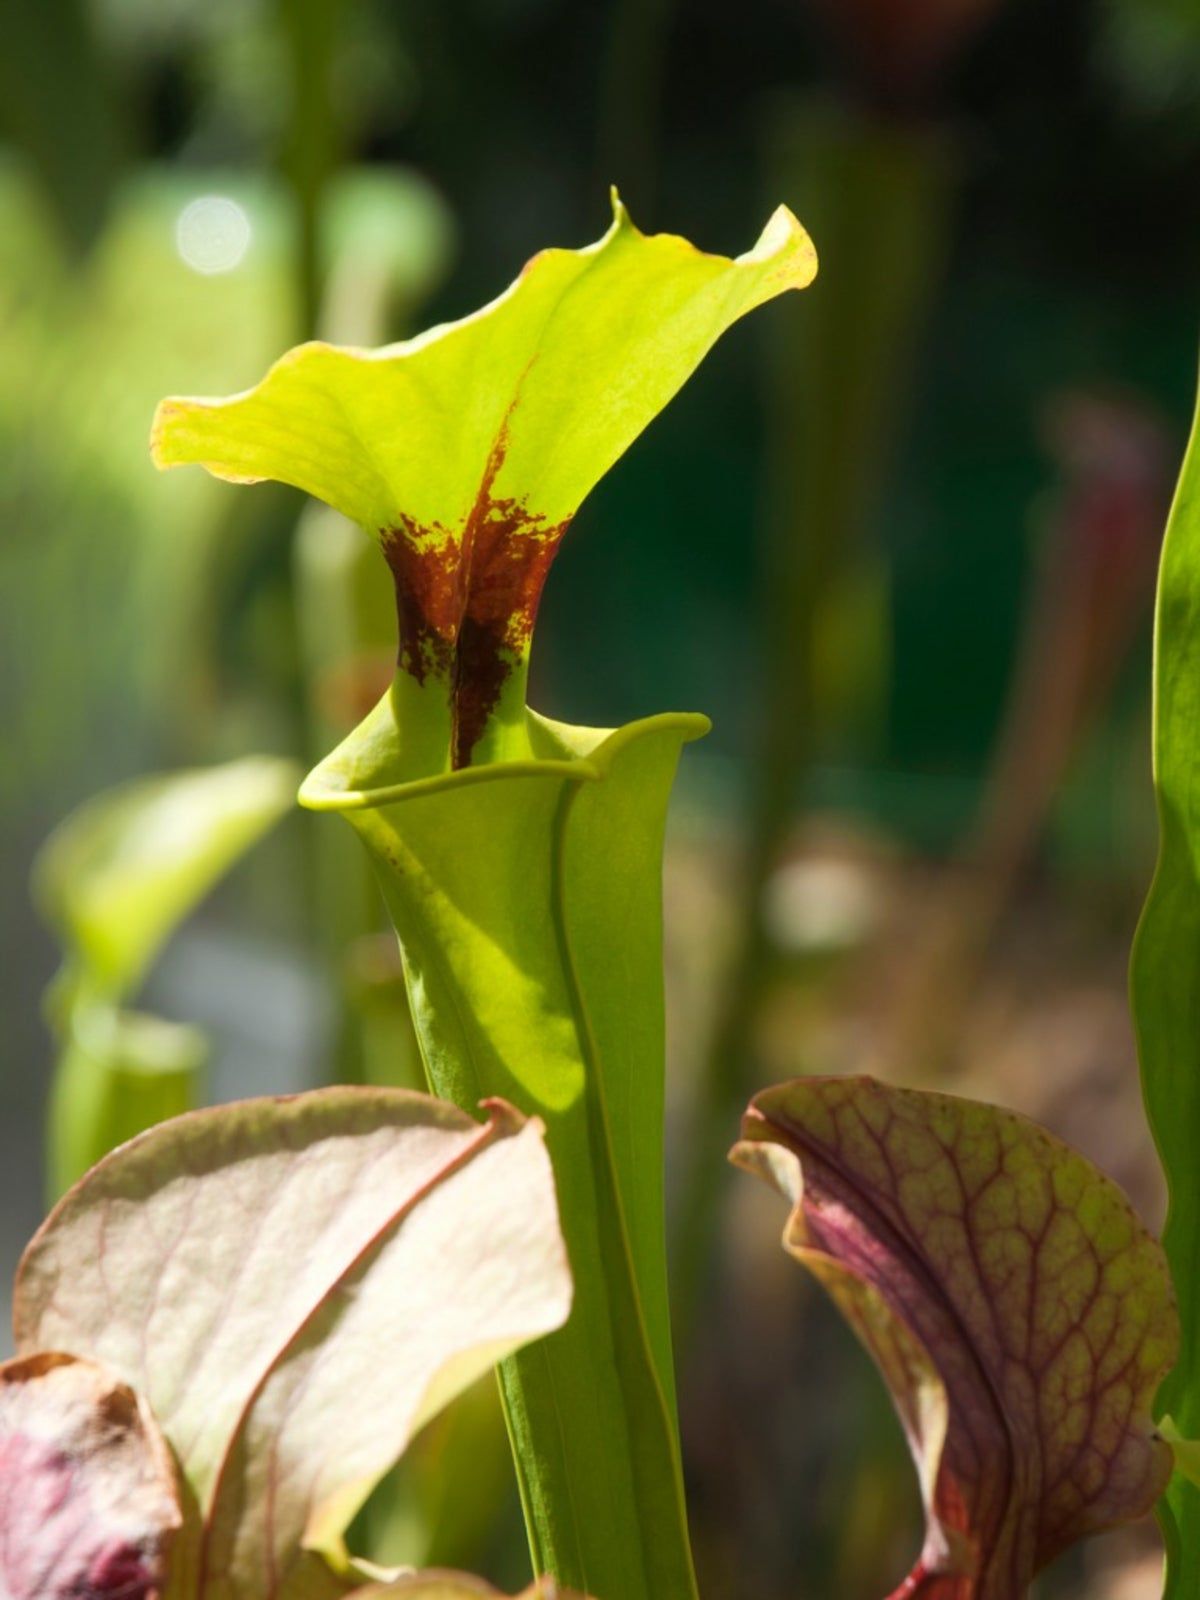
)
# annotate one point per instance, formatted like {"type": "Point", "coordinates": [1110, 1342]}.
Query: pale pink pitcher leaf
{"type": "Point", "coordinates": [296, 1286]}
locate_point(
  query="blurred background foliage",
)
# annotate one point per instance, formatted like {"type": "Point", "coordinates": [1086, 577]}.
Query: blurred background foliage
{"type": "Point", "coordinates": [897, 537]}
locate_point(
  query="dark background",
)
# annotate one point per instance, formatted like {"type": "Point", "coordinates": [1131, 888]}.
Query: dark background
{"type": "Point", "coordinates": [149, 622]}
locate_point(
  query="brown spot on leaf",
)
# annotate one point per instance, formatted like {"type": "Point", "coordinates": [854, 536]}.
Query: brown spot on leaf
{"type": "Point", "coordinates": [466, 601]}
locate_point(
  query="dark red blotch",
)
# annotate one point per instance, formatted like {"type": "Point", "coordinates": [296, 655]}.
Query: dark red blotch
{"type": "Point", "coordinates": [466, 602]}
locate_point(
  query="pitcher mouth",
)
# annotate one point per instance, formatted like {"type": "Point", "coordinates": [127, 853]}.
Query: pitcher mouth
{"type": "Point", "coordinates": [355, 776]}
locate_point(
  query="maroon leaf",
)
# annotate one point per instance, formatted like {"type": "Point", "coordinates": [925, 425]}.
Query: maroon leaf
{"type": "Point", "coordinates": [1019, 1312]}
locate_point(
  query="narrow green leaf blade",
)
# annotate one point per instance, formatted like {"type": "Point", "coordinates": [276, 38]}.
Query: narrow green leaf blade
{"type": "Point", "coordinates": [1165, 981]}
{"type": "Point", "coordinates": [1019, 1312]}
{"type": "Point", "coordinates": [296, 1286]}
{"type": "Point", "coordinates": [456, 1586]}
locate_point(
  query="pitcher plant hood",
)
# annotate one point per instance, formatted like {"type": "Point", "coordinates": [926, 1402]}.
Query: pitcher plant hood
{"type": "Point", "coordinates": [466, 451]}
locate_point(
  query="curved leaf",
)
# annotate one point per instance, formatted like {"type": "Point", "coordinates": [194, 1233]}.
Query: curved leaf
{"type": "Point", "coordinates": [296, 1286]}
{"type": "Point", "coordinates": [468, 450]}
{"type": "Point", "coordinates": [122, 870]}
{"type": "Point", "coordinates": [1019, 1312]}
{"type": "Point", "coordinates": [88, 1502]}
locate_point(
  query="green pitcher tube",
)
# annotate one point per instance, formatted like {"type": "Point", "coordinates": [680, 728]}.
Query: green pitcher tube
{"type": "Point", "coordinates": [527, 900]}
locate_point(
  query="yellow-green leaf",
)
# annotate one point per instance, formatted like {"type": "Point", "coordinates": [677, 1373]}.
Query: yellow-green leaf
{"type": "Point", "coordinates": [467, 450]}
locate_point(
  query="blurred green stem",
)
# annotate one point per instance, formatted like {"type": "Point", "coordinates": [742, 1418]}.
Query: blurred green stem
{"type": "Point", "coordinates": [630, 99]}
{"type": "Point", "coordinates": [61, 106]}
{"type": "Point", "coordinates": [1088, 589]}
{"type": "Point", "coordinates": [876, 198]}
{"type": "Point", "coordinates": [118, 1073]}
{"type": "Point", "coordinates": [311, 29]}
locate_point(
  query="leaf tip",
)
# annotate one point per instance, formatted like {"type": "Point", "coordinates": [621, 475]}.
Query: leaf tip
{"type": "Point", "coordinates": [785, 244]}
{"type": "Point", "coordinates": [621, 219]}
{"type": "Point", "coordinates": [166, 413]}
{"type": "Point", "coordinates": [758, 1154]}
{"type": "Point", "coordinates": [504, 1118]}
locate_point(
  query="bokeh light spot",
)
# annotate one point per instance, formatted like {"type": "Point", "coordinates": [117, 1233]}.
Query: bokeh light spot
{"type": "Point", "coordinates": [212, 233]}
